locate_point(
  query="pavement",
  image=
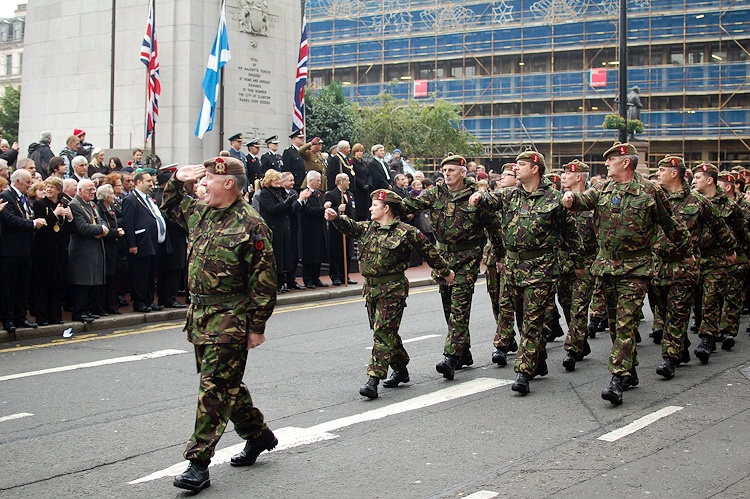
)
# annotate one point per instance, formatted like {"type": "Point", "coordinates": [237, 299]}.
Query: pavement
{"type": "Point", "coordinates": [418, 276]}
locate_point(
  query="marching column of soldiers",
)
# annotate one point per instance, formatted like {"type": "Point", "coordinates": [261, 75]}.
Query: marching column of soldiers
{"type": "Point", "coordinates": [680, 237]}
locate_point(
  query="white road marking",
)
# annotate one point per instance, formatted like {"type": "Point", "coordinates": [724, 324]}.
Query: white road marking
{"type": "Point", "coordinates": [290, 437]}
{"type": "Point", "coordinates": [639, 423]}
{"type": "Point", "coordinates": [105, 362]}
{"type": "Point", "coordinates": [483, 494]}
{"type": "Point", "coordinates": [15, 416]}
{"type": "Point", "coordinates": [418, 338]}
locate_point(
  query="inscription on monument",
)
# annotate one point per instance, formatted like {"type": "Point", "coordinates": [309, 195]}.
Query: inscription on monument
{"type": "Point", "coordinates": [255, 84]}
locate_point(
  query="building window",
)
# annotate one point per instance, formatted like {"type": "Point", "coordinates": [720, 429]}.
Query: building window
{"type": "Point", "coordinates": [9, 64]}
{"type": "Point", "coordinates": [4, 27]}
{"type": "Point", "coordinates": [18, 30]}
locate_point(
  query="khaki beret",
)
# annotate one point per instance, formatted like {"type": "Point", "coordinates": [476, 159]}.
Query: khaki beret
{"type": "Point", "coordinates": [620, 149]}
{"type": "Point", "coordinates": [454, 159]}
{"type": "Point", "coordinates": [576, 166]}
{"type": "Point", "coordinates": [706, 167]}
{"type": "Point", "coordinates": [509, 167]}
{"type": "Point", "coordinates": [533, 156]}
{"type": "Point", "coordinates": [224, 166]}
{"type": "Point", "coordinates": [726, 176]}
{"type": "Point", "coordinates": [553, 177]}
{"type": "Point", "coordinates": [672, 161]}
{"type": "Point", "coordinates": [739, 169]}
{"type": "Point", "coordinates": [385, 195]}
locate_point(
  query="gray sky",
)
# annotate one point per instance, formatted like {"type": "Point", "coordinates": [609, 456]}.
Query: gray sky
{"type": "Point", "coordinates": [8, 8]}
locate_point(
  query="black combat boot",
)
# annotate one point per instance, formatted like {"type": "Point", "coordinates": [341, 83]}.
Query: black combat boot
{"type": "Point", "coordinates": [195, 478]}
{"type": "Point", "coordinates": [513, 346]}
{"type": "Point", "coordinates": [685, 355]}
{"type": "Point", "coordinates": [521, 385]}
{"type": "Point", "coordinates": [667, 368]}
{"type": "Point", "coordinates": [447, 366]}
{"type": "Point", "coordinates": [630, 380]}
{"type": "Point", "coordinates": [266, 441]}
{"type": "Point", "coordinates": [569, 362]}
{"type": "Point", "coordinates": [541, 369]}
{"type": "Point", "coordinates": [637, 336]}
{"type": "Point", "coordinates": [613, 392]}
{"type": "Point", "coordinates": [603, 325]}
{"type": "Point", "coordinates": [554, 331]}
{"type": "Point", "coordinates": [370, 389]}
{"type": "Point", "coordinates": [586, 350]}
{"type": "Point", "coordinates": [593, 326]}
{"type": "Point", "coordinates": [395, 378]}
{"type": "Point", "coordinates": [500, 357]}
{"type": "Point", "coordinates": [466, 360]}
{"type": "Point", "coordinates": [657, 335]}
{"type": "Point", "coordinates": [727, 343]}
{"type": "Point", "coordinates": [703, 352]}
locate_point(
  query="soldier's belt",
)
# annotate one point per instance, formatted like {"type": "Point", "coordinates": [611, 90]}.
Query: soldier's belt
{"type": "Point", "coordinates": [382, 279]}
{"type": "Point", "coordinates": [457, 247]}
{"type": "Point", "coordinates": [715, 251]}
{"type": "Point", "coordinates": [623, 255]}
{"type": "Point", "coordinates": [528, 255]}
{"type": "Point", "coordinates": [215, 299]}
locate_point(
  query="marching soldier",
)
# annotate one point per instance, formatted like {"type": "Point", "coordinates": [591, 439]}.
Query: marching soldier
{"type": "Point", "coordinates": [385, 244]}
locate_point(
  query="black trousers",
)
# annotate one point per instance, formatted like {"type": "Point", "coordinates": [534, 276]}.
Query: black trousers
{"type": "Point", "coordinates": [310, 273]}
{"type": "Point", "coordinates": [168, 283]}
{"type": "Point", "coordinates": [82, 297]}
{"type": "Point", "coordinates": [142, 271]}
{"type": "Point", "coordinates": [14, 287]}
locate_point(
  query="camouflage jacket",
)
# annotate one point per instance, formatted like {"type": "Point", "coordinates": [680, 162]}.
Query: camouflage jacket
{"type": "Point", "coordinates": [707, 230]}
{"type": "Point", "coordinates": [385, 249]}
{"type": "Point", "coordinates": [229, 254]}
{"type": "Point", "coordinates": [735, 218]}
{"type": "Point", "coordinates": [457, 226]}
{"type": "Point", "coordinates": [534, 227]}
{"type": "Point", "coordinates": [625, 220]}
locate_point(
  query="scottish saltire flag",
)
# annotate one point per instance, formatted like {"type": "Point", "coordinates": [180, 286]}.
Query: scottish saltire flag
{"type": "Point", "coordinates": [150, 57]}
{"type": "Point", "coordinates": [298, 116]}
{"type": "Point", "coordinates": [219, 56]}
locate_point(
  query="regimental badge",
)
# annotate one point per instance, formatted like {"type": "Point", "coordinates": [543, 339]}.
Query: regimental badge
{"type": "Point", "coordinates": [535, 158]}
{"type": "Point", "coordinates": [573, 167]}
{"type": "Point", "coordinates": [381, 196]}
{"type": "Point", "coordinates": [675, 162]}
{"type": "Point", "coordinates": [616, 201]}
{"type": "Point", "coordinates": [220, 167]}
{"type": "Point", "coordinates": [623, 150]}
{"type": "Point", "coordinates": [704, 167]}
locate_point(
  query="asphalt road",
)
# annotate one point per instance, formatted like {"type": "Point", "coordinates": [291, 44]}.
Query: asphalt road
{"type": "Point", "coordinates": [95, 416]}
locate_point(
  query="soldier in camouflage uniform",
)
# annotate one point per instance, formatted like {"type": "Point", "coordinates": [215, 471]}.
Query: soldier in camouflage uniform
{"type": "Point", "coordinates": [733, 299]}
{"type": "Point", "coordinates": [626, 213]}
{"type": "Point", "coordinates": [310, 153]}
{"type": "Point", "coordinates": [675, 278]}
{"type": "Point", "coordinates": [715, 262]}
{"type": "Point", "coordinates": [576, 343]}
{"type": "Point", "coordinates": [505, 337]}
{"type": "Point", "coordinates": [458, 229]}
{"type": "Point", "coordinates": [232, 283]}
{"type": "Point", "coordinates": [385, 245]}
{"type": "Point", "coordinates": [534, 226]}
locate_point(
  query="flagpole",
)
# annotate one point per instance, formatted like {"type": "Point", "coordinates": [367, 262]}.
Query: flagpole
{"type": "Point", "coordinates": [153, 130]}
{"type": "Point", "coordinates": [112, 80]}
{"type": "Point", "coordinates": [221, 108]}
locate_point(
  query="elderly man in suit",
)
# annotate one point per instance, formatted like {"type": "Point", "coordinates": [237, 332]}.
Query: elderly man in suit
{"type": "Point", "coordinates": [86, 262]}
{"type": "Point", "coordinates": [145, 229]}
{"type": "Point", "coordinates": [313, 226]}
{"type": "Point", "coordinates": [342, 200]}
{"type": "Point", "coordinates": [17, 223]}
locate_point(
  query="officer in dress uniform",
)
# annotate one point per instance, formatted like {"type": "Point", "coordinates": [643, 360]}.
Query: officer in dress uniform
{"type": "Point", "coordinates": [271, 159]}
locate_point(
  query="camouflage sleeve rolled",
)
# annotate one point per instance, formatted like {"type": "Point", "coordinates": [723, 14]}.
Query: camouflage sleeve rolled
{"type": "Point", "coordinates": [587, 200]}
{"type": "Point", "coordinates": [261, 278]}
{"type": "Point", "coordinates": [675, 231]}
{"type": "Point", "coordinates": [176, 205]}
{"type": "Point", "coordinates": [347, 226]}
{"type": "Point", "coordinates": [422, 245]}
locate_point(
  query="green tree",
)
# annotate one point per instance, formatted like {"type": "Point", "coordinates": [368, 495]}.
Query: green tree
{"type": "Point", "coordinates": [329, 115]}
{"type": "Point", "coordinates": [425, 132]}
{"type": "Point", "coordinates": [10, 105]}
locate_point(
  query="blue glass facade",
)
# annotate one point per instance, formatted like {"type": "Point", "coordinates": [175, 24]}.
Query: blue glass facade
{"type": "Point", "coordinates": [545, 72]}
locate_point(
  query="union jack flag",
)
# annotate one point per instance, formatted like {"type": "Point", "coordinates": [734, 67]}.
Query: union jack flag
{"type": "Point", "coordinates": [298, 118]}
{"type": "Point", "coordinates": [150, 57]}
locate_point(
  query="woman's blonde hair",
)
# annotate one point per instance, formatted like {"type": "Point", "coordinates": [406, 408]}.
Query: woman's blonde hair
{"type": "Point", "coordinates": [270, 177]}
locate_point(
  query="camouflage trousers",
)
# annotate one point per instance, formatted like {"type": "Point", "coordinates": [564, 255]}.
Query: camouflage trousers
{"type": "Point", "coordinates": [457, 308]}
{"type": "Point", "coordinates": [624, 296]}
{"type": "Point", "coordinates": [578, 330]}
{"type": "Point", "coordinates": [534, 304]}
{"type": "Point", "coordinates": [493, 289]}
{"type": "Point", "coordinates": [673, 303]}
{"type": "Point", "coordinates": [222, 396]}
{"type": "Point", "coordinates": [385, 306]}
{"type": "Point", "coordinates": [707, 300]}
{"type": "Point", "coordinates": [565, 297]}
{"type": "Point", "coordinates": [504, 333]}
{"type": "Point", "coordinates": [598, 308]}
{"type": "Point", "coordinates": [732, 302]}
{"type": "Point", "coordinates": [654, 296]}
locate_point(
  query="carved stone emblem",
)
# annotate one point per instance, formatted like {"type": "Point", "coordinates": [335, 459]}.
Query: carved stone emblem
{"type": "Point", "coordinates": [253, 17]}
